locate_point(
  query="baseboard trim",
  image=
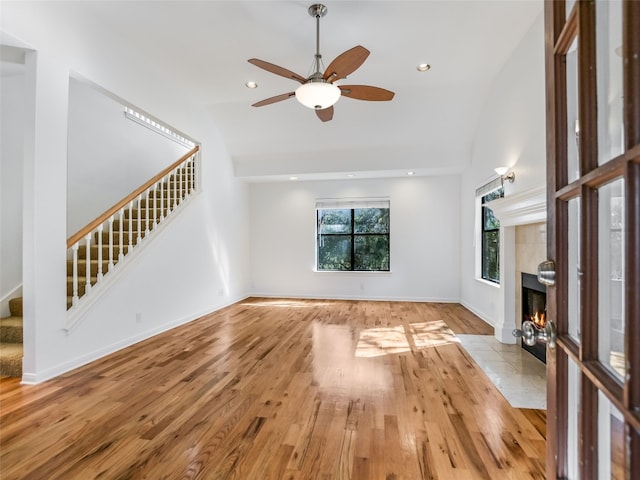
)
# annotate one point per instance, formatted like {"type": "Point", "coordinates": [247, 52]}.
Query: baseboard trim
{"type": "Point", "coordinates": [478, 313]}
{"type": "Point", "coordinates": [30, 378]}
{"type": "Point", "coordinates": [352, 297]}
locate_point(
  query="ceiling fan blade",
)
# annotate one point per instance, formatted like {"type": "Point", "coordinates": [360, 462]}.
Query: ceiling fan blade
{"type": "Point", "coordinates": [346, 63]}
{"type": "Point", "coordinates": [277, 98]}
{"type": "Point", "coordinates": [283, 72]}
{"type": "Point", "coordinates": [325, 114]}
{"type": "Point", "coordinates": [366, 92]}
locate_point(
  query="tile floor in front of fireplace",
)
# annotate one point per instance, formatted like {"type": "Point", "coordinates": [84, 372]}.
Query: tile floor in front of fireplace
{"type": "Point", "coordinates": [518, 375]}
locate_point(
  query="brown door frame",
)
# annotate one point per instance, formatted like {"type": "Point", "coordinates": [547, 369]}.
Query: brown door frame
{"type": "Point", "coordinates": [560, 31]}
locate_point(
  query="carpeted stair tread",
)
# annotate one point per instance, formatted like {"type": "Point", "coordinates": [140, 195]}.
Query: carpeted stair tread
{"type": "Point", "coordinates": [11, 359]}
{"type": "Point", "coordinates": [15, 307]}
{"type": "Point", "coordinates": [82, 281]}
{"type": "Point", "coordinates": [11, 330]}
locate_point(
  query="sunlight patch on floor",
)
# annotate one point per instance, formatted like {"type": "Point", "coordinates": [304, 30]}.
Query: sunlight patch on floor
{"type": "Point", "coordinates": [432, 334]}
{"type": "Point", "coordinates": [375, 342]}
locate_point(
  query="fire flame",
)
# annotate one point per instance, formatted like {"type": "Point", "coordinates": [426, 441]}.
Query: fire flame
{"type": "Point", "coordinates": [539, 319]}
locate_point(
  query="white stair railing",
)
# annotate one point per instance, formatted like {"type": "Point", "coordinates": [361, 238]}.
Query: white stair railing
{"type": "Point", "coordinates": [146, 204]}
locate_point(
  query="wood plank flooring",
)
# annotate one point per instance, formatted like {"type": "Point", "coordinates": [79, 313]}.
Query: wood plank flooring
{"type": "Point", "coordinates": [279, 389]}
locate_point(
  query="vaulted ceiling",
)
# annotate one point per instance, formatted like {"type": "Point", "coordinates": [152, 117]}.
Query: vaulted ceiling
{"type": "Point", "coordinates": [427, 128]}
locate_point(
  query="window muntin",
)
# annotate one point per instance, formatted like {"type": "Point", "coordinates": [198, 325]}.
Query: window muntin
{"type": "Point", "coordinates": [490, 238]}
{"type": "Point", "coordinates": [352, 239]}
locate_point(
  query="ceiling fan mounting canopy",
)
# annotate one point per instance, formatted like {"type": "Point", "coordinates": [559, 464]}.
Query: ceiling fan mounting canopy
{"type": "Point", "coordinates": [317, 10]}
{"type": "Point", "coordinates": [318, 91]}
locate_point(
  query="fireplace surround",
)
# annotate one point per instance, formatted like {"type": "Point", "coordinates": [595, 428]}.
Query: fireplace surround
{"type": "Point", "coordinates": [534, 306]}
{"type": "Point", "coordinates": [524, 208]}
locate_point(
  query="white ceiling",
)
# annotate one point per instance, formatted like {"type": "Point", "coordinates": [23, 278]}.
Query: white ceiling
{"type": "Point", "coordinates": [428, 127]}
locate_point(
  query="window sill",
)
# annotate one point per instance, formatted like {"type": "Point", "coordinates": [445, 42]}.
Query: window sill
{"type": "Point", "coordinates": [487, 283]}
{"type": "Point", "coordinates": [352, 272]}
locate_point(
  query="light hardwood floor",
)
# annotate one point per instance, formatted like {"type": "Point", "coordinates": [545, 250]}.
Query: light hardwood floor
{"type": "Point", "coordinates": [279, 389]}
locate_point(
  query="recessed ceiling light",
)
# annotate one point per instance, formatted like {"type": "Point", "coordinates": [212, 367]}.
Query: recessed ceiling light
{"type": "Point", "coordinates": [350, 175]}
{"type": "Point", "coordinates": [251, 84]}
{"type": "Point", "coordinates": [411, 173]}
{"type": "Point", "coordinates": [423, 67]}
{"type": "Point", "coordinates": [293, 178]}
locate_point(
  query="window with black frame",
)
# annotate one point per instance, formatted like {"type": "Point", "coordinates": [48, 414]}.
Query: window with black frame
{"type": "Point", "coordinates": [353, 239]}
{"type": "Point", "coordinates": [490, 233]}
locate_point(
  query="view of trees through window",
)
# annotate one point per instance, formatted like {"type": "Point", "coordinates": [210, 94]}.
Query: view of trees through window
{"type": "Point", "coordinates": [491, 239]}
{"type": "Point", "coordinates": [353, 239]}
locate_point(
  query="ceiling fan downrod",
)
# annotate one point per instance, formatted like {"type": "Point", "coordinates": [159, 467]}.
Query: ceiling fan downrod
{"type": "Point", "coordinates": [317, 11]}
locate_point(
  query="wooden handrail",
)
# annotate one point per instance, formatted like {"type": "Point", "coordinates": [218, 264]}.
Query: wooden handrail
{"type": "Point", "coordinates": [104, 216]}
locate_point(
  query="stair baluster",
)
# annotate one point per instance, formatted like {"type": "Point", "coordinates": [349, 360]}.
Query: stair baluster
{"type": "Point", "coordinates": [130, 242]}
{"type": "Point", "coordinates": [99, 276]}
{"type": "Point", "coordinates": [155, 206]}
{"type": "Point", "coordinates": [139, 200]}
{"type": "Point", "coordinates": [146, 216]}
{"type": "Point", "coordinates": [188, 173]}
{"type": "Point", "coordinates": [174, 175]}
{"type": "Point", "coordinates": [120, 236]}
{"type": "Point", "coordinates": [161, 200]}
{"type": "Point", "coordinates": [183, 191]}
{"type": "Point", "coordinates": [87, 286]}
{"type": "Point", "coordinates": [74, 298]}
{"type": "Point", "coordinates": [110, 243]}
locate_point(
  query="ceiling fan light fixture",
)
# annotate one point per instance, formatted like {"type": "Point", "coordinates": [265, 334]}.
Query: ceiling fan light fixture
{"type": "Point", "coordinates": [318, 95]}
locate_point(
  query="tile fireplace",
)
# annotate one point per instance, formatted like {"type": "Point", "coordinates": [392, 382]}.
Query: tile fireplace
{"type": "Point", "coordinates": [534, 306]}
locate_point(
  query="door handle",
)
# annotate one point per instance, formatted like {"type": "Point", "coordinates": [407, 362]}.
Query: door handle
{"type": "Point", "coordinates": [547, 273]}
{"type": "Point", "coordinates": [531, 334]}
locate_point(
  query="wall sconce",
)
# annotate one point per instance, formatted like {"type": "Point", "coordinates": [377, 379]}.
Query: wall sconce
{"type": "Point", "coordinates": [502, 171]}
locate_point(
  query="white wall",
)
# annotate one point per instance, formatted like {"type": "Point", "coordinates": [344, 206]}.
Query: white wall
{"type": "Point", "coordinates": [108, 155]}
{"type": "Point", "coordinates": [511, 132]}
{"type": "Point", "coordinates": [11, 143]}
{"type": "Point", "coordinates": [196, 264]}
{"type": "Point", "coordinates": [424, 240]}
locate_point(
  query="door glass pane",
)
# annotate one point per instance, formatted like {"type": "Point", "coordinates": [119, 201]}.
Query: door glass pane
{"type": "Point", "coordinates": [569, 6]}
{"type": "Point", "coordinates": [573, 126]}
{"type": "Point", "coordinates": [573, 397]}
{"type": "Point", "coordinates": [611, 440]}
{"type": "Point", "coordinates": [611, 321]}
{"type": "Point", "coordinates": [573, 268]}
{"type": "Point", "coordinates": [609, 71]}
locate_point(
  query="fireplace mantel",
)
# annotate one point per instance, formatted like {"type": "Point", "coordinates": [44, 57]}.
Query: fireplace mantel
{"type": "Point", "coordinates": [529, 206]}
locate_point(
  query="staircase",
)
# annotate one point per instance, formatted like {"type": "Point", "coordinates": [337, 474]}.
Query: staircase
{"type": "Point", "coordinates": [97, 248]}
{"type": "Point", "coordinates": [11, 341]}
{"type": "Point", "coordinates": [133, 227]}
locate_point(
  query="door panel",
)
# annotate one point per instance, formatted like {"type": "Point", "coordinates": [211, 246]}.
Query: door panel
{"type": "Point", "coordinates": [593, 178]}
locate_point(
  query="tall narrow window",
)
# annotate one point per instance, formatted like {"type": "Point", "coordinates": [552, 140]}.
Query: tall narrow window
{"type": "Point", "coordinates": [352, 236]}
{"type": "Point", "coordinates": [490, 233]}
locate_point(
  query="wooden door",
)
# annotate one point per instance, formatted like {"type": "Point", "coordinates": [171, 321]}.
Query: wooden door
{"type": "Point", "coordinates": [593, 177]}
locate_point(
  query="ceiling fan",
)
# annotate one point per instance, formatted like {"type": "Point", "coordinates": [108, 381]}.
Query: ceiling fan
{"type": "Point", "coordinates": [318, 90]}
